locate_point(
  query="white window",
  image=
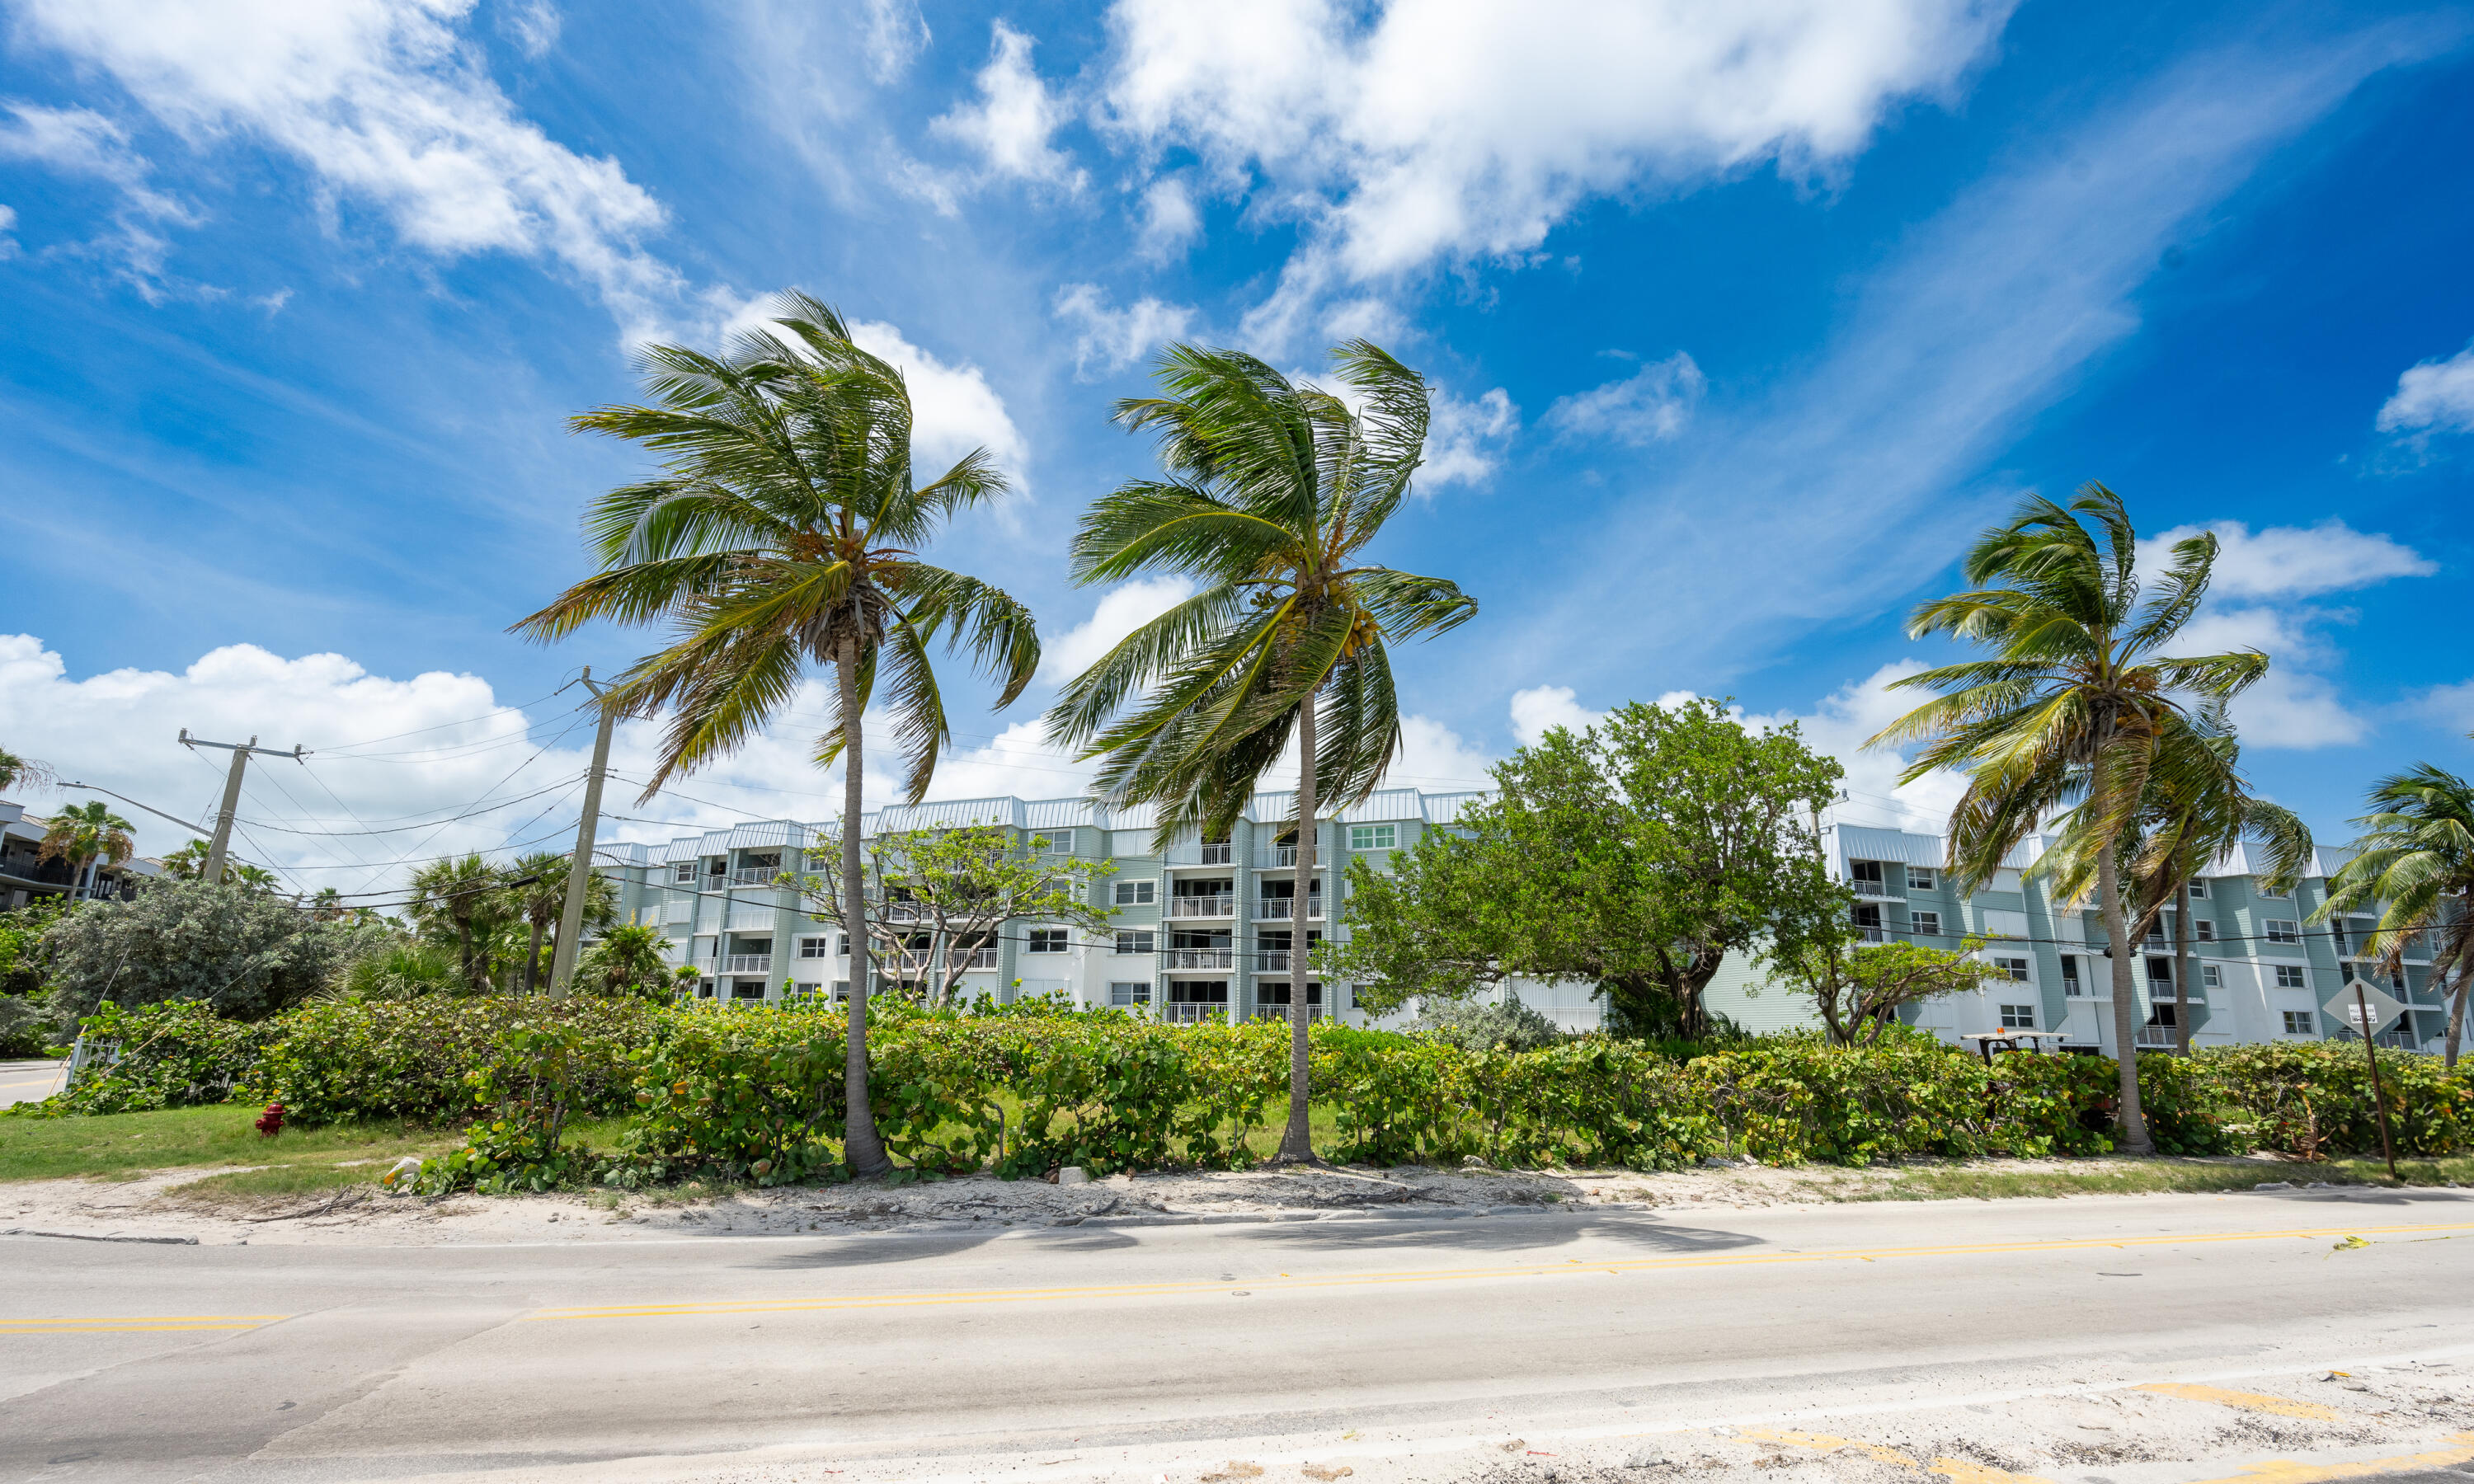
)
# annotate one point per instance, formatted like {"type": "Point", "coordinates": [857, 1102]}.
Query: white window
{"type": "Point", "coordinates": [1048, 939]}
{"type": "Point", "coordinates": [2211, 977]}
{"type": "Point", "coordinates": [1865, 871]}
{"type": "Point", "coordinates": [2072, 987]}
{"type": "Point", "coordinates": [2301, 1022]}
{"type": "Point", "coordinates": [1124, 993]}
{"type": "Point", "coordinates": [1371, 837]}
{"type": "Point", "coordinates": [2290, 976]}
{"type": "Point", "coordinates": [2203, 930]}
{"type": "Point", "coordinates": [813, 947]}
{"type": "Point", "coordinates": [1135, 893]}
{"type": "Point", "coordinates": [1928, 923]}
{"type": "Point", "coordinates": [2274, 896]}
{"type": "Point", "coordinates": [1060, 842]}
{"type": "Point", "coordinates": [2018, 1017]}
{"type": "Point", "coordinates": [1135, 941]}
{"type": "Point", "coordinates": [1999, 923]}
{"type": "Point", "coordinates": [1919, 879]}
{"type": "Point", "coordinates": [2015, 967]}
{"type": "Point", "coordinates": [2198, 890]}
{"type": "Point", "coordinates": [2282, 930]}
{"type": "Point", "coordinates": [684, 873]}
{"type": "Point", "coordinates": [841, 990]}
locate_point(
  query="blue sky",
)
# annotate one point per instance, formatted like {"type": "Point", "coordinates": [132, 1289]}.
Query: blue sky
{"type": "Point", "coordinates": [1742, 319]}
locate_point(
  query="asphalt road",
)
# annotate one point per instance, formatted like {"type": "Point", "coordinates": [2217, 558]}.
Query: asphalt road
{"type": "Point", "coordinates": [30, 1082]}
{"type": "Point", "coordinates": [963, 1353]}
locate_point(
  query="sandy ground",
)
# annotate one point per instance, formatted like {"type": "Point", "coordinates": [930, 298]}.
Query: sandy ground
{"type": "Point", "coordinates": [157, 1208]}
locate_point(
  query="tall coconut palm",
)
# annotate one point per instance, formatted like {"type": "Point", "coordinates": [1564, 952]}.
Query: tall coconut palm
{"type": "Point", "coordinates": [24, 772]}
{"type": "Point", "coordinates": [2416, 853]}
{"type": "Point", "coordinates": [2075, 708]}
{"type": "Point", "coordinates": [87, 835]}
{"type": "Point", "coordinates": [2198, 807]}
{"type": "Point", "coordinates": [1271, 491]}
{"type": "Point", "coordinates": [541, 901]}
{"type": "Point", "coordinates": [455, 897]}
{"type": "Point", "coordinates": [784, 532]}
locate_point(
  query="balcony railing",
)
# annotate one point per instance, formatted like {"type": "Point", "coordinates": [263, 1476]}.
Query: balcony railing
{"type": "Point", "coordinates": [898, 911]}
{"type": "Point", "coordinates": [1871, 933]}
{"type": "Point", "coordinates": [1213, 853]}
{"type": "Point", "coordinates": [1282, 1013]}
{"type": "Point", "coordinates": [1223, 905]}
{"type": "Point", "coordinates": [754, 876]}
{"type": "Point", "coordinates": [1881, 890]}
{"type": "Point", "coordinates": [1187, 1012]}
{"type": "Point", "coordinates": [45, 872]}
{"type": "Point", "coordinates": [1279, 857]}
{"type": "Point", "coordinates": [1284, 909]}
{"type": "Point", "coordinates": [1273, 962]}
{"type": "Point", "coordinates": [747, 963]}
{"type": "Point", "coordinates": [2156, 1037]}
{"type": "Point", "coordinates": [981, 958]}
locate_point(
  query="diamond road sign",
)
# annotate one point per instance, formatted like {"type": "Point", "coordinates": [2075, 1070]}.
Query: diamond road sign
{"type": "Point", "coordinates": [2383, 1008]}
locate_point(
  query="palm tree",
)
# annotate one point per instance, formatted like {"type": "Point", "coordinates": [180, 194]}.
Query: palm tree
{"type": "Point", "coordinates": [34, 774]}
{"type": "Point", "coordinates": [627, 960]}
{"type": "Point", "coordinates": [783, 530]}
{"type": "Point", "coordinates": [2416, 854]}
{"type": "Point", "coordinates": [2197, 809]}
{"type": "Point", "coordinates": [86, 835]}
{"type": "Point", "coordinates": [1272, 490]}
{"type": "Point", "coordinates": [2075, 710]}
{"type": "Point", "coordinates": [453, 898]}
{"type": "Point", "coordinates": [257, 878]}
{"type": "Point", "coordinates": [541, 901]}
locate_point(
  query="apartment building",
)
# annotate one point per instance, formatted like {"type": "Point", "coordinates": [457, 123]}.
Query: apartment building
{"type": "Point", "coordinates": [2264, 973]}
{"type": "Point", "coordinates": [24, 874]}
{"type": "Point", "coordinates": [1209, 930]}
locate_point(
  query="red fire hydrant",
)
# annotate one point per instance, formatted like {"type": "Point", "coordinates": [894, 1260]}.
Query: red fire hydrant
{"type": "Point", "coordinates": [271, 1122]}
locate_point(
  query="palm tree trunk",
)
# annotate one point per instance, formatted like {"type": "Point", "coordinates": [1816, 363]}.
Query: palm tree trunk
{"type": "Point", "coordinates": [2125, 1012]}
{"type": "Point", "coordinates": [863, 1149]}
{"type": "Point", "coordinates": [2456, 1018]}
{"type": "Point", "coordinates": [1296, 1141]}
{"type": "Point", "coordinates": [2182, 967]}
{"type": "Point", "coordinates": [532, 959]}
{"type": "Point", "coordinates": [464, 946]}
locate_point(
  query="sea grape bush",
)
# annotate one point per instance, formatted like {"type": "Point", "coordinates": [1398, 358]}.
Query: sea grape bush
{"type": "Point", "coordinates": [755, 1092]}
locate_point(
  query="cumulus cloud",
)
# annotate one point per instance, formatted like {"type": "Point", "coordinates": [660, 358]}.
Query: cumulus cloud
{"type": "Point", "coordinates": [1120, 611]}
{"type": "Point", "coordinates": [2292, 562]}
{"type": "Point", "coordinates": [1541, 709]}
{"type": "Point", "coordinates": [1416, 130]}
{"type": "Point", "coordinates": [2433, 397]}
{"type": "Point", "coordinates": [953, 408]}
{"type": "Point", "coordinates": [1465, 440]}
{"type": "Point", "coordinates": [1840, 726]}
{"type": "Point", "coordinates": [1010, 126]}
{"type": "Point", "coordinates": [2297, 705]}
{"type": "Point", "coordinates": [386, 106]}
{"type": "Point", "coordinates": [1651, 405]}
{"type": "Point", "coordinates": [1112, 339]}
{"type": "Point", "coordinates": [1170, 219]}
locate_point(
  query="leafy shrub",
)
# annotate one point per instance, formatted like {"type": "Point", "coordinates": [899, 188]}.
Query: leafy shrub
{"type": "Point", "coordinates": [1477, 1025]}
{"type": "Point", "coordinates": [172, 1055]}
{"type": "Point", "coordinates": [399, 967]}
{"type": "Point", "coordinates": [411, 1058]}
{"type": "Point", "coordinates": [2313, 1098]}
{"type": "Point", "coordinates": [244, 952]}
{"type": "Point", "coordinates": [736, 1093]}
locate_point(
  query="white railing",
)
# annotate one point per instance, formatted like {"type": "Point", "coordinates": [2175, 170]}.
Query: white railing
{"type": "Point", "coordinates": [1187, 1012]}
{"type": "Point", "coordinates": [1212, 854]}
{"type": "Point", "coordinates": [754, 876]}
{"type": "Point", "coordinates": [746, 964]}
{"type": "Point", "coordinates": [1881, 890]}
{"type": "Point", "coordinates": [1223, 905]}
{"type": "Point", "coordinates": [907, 959]}
{"type": "Point", "coordinates": [1201, 958]}
{"type": "Point", "coordinates": [1871, 934]}
{"type": "Point", "coordinates": [981, 958]}
{"type": "Point", "coordinates": [2158, 1038]}
{"type": "Point", "coordinates": [1284, 909]}
{"type": "Point", "coordinates": [1281, 1013]}
{"type": "Point", "coordinates": [897, 911]}
{"type": "Point", "coordinates": [1273, 962]}
{"type": "Point", "coordinates": [1276, 858]}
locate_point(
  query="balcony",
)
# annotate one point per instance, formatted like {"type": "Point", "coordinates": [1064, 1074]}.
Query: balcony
{"type": "Point", "coordinates": [745, 964]}
{"type": "Point", "coordinates": [1222, 906]}
{"type": "Point", "coordinates": [1278, 857]}
{"type": "Point", "coordinates": [1273, 962]}
{"type": "Point", "coordinates": [2158, 1038]}
{"type": "Point", "coordinates": [898, 911]}
{"type": "Point", "coordinates": [980, 958]}
{"type": "Point", "coordinates": [1201, 958]}
{"type": "Point", "coordinates": [1187, 1012]}
{"type": "Point", "coordinates": [754, 876]}
{"type": "Point", "coordinates": [1284, 909]}
{"type": "Point", "coordinates": [41, 872]}
{"type": "Point", "coordinates": [1871, 933]}
{"type": "Point", "coordinates": [907, 961]}
{"type": "Point", "coordinates": [1314, 1012]}
{"type": "Point", "coordinates": [1879, 891]}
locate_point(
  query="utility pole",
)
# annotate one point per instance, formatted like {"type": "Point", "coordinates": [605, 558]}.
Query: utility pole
{"type": "Point", "coordinates": [221, 844]}
{"type": "Point", "coordinates": [579, 870]}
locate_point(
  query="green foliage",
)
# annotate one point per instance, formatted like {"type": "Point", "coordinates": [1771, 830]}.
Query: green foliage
{"type": "Point", "coordinates": [1634, 854]}
{"type": "Point", "coordinates": [1483, 1026]}
{"type": "Point", "coordinates": [1858, 990]}
{"type": "Point", "coordinates": [245, 953]}
{"type": "Point", "coordinates": [340, 1061]}
{"type": "Point", "coordinates": [736, 1095]}
{"type": "Point", "coordinates": [2313, 1097]}
{"type": "Point", "coordinates": [174, 1054]}
{"type": "Point", "coordinates": [627, 961]}
{"type": "Point", "coordinates": [545, 1069]}
{"type": "Point", "coordinates": [396, 967]}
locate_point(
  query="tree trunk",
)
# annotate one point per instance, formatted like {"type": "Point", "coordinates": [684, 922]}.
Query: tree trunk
{"type": "Point", "coordinates": [2126, 1001]}
{"type": "Point", "coordinates": [464, 947]}
{"type": "Point", "coordinates": [1296, 1141]}
{"type": "Point", "coordinates": [2183, 963]}
{"type": "Point", "coordinates": [532, 959]}
{"type": "Point", "coordinates": [863, 1149]}
{"type": "Point", "coordinates": [2457, 1016]}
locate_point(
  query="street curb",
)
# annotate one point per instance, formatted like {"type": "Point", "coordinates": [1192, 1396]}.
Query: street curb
{"type": "Point", "coordinates": [94, 1236]}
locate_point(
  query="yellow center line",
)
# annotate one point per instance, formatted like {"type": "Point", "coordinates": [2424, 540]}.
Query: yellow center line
{"type": "Point", "coordinates": [1451, 1274]}
{"type": "Point", "coordinates": [2246, 1400]}
{"type": "Point", "coordinates": [125, 1329]}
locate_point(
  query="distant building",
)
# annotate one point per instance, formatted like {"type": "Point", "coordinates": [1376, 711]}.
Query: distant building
{"type": "Point", "coordinates": [2264, 972]}
{"type": "Point", "coordinates": [25, 876]}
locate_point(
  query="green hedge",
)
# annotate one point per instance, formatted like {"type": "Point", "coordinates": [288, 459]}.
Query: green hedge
{"type": "Point", "coordinates": [757, 1092]}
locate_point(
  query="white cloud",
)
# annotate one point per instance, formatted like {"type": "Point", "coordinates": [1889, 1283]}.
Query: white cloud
{"type": "Point", "coordinates": [1540, 710]}
{"type": "Point", "coordinates": [1840, 726]}
{"type": "Point", "coordinates": [1120, 611]}
{"type": "Point", "coordinates": [81, 142]}
{"type": "Point", "coordinates": [897, 31]}
{"type": "Point", "coordinates": [2297, 705]}
{"type": "Point", "coordinates": [1436, 759]}
{"type": "Point", "coordinates": [386, 106]}
{"type": "Point", "coordinates": [2450, 705]}
{"type": "Point", "coordinates": [2293, 561]}
{"type": "Point", "coordinates": [1010, 126]}
{"type": "Point", "coordinates": [1651, 405]}
{"type": "Point", "coordinates": [532, 25]}
{"type": "Point", "coordinates": [7, 227]}
{"type": "Point", "coordinates": [1170, 219]}
{"type": "Point", "coordinates": [1423, 129]}
{"type": "Point", "coordinates": [1463, 440]}
{"type": "Point", "coordinates": [1113, 338]}
{"type": "Point", "coordinates": [953, 408]}
{"type": "Point", "coordinates": [2433, 397]}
